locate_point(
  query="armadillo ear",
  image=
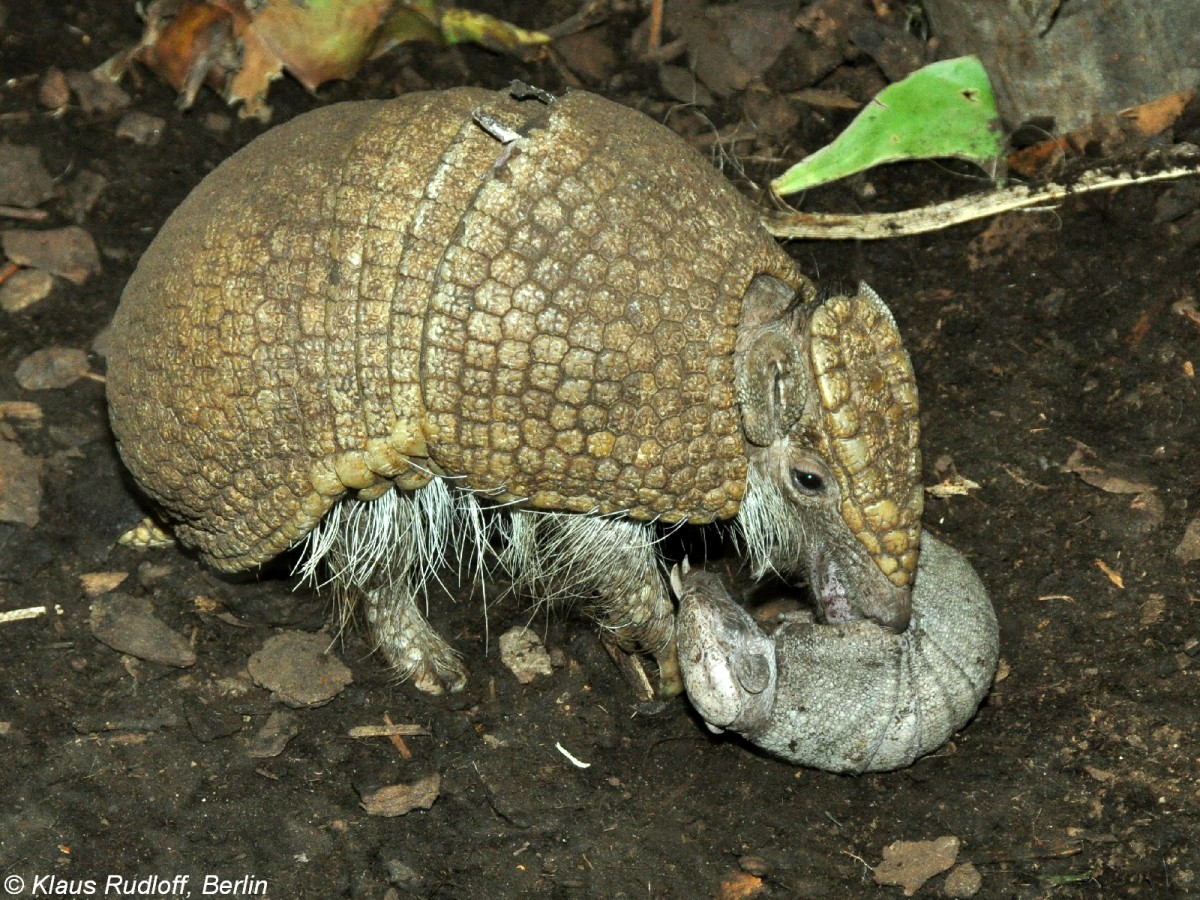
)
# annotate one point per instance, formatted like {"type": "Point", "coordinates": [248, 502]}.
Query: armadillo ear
{"type": "Point", "coordinates": [770, 375]}
{"type": "Point", "coordinates": [770, 382]}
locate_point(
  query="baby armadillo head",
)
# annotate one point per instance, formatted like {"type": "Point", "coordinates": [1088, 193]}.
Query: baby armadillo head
{"type": "Point", "coordinates": [829, 409]}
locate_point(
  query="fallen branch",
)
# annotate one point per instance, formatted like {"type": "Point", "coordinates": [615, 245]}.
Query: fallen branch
{"type": "Point", "coordinates": [1180, 162]}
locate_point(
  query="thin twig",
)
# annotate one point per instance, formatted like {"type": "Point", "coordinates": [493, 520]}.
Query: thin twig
{"type": "Point", "coordinates": [875, 226]}
{"type": "Point", "coordinates": [20, 212]}
{"type": "Point", "coordinates": [371, 731]}
{"type": "Point", "coordinates": [29, 612]}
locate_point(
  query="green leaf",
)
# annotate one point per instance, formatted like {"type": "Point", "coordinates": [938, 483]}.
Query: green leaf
{"type": "Point", "coordinates": [945, 109]}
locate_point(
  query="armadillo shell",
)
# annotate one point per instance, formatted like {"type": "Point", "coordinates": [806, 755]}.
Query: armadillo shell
{"type": "Point", "coordinates": [549, 320]}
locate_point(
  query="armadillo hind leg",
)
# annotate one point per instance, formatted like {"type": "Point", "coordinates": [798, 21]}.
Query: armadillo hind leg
{"type": "Point", "coordinates": [379, 557]}
{"type": "Point", "coordinates": [610, 566]}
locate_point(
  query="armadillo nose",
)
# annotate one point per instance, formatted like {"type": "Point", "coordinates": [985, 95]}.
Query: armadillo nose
{"type": "Point", "coordinates": [894, 610]}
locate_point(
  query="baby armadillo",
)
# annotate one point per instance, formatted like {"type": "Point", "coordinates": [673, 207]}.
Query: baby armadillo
{"type": "Point", "coordinates": [846, 698]}
{"type": "Point", "coordinates": [540, 327]}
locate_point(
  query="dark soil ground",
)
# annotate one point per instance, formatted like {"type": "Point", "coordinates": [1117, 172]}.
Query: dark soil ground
{"type": "Point", "coordinates": [1080, 775]}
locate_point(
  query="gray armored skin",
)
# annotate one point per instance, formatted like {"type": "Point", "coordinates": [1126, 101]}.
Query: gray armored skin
{"type": "Point", "coordinates": [535, 332]}
{"type": "Point", "coordinates": [845, 698]}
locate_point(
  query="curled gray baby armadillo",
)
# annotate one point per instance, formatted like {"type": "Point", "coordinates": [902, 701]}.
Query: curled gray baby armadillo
{"type": "Point", "coordinates": [845, 698]}
{"type": "Point", "coordinates": [501, 320]}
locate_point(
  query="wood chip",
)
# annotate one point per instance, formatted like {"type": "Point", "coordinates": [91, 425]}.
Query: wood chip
{"type": "Point", "coordinates": [24, 181]}
{"type": "Point", "coordinates": [24, 289]}
{"type": "Point", "coordinates": [400, 799]}
{"type": "Point", "coordinates": [23, 412]}
{"type": "Point", "coordinates": [272, 739]}
{"type": "Point", "coordinates": [1188, 549]}
{"type": "Point", "coordinates": [740, 886]}
{"type": "Point", "coordinates": [69, 252]}
{"type": "Point", "coordinates": [953, 486]}
{"type": "Point", "coordinates": [373, 731]}
{"type": "Point", "coordinates": [20, 485]}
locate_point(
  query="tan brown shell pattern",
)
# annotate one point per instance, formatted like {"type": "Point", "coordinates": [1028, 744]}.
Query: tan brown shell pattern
{"type": "Point", "coordinates": [869, 426]}
{"type": "Point", "coordinates": [379, 292]}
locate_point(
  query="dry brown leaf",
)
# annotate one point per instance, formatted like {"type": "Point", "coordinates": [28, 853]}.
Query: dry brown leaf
{"type": "Point", "coordinates": [911, 863]}
{"type": "Point", "coordinates": [69, 252]}
{"type": "Point", "coordinates": [1139, 122]}
{"type": "Point", "coordinates": [740, 886]}
{"type": "Point", "coordinates": [1158, 115]}
{"type": "Point", "coordinates": [54, 367]}
{"type": "Point", "coordinates": [1112, 479]}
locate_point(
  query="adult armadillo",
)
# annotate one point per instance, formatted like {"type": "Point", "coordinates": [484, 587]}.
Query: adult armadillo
{"type": "Point", "coordinates": [548, 325]}
{"type": "Point", "coordinates": [846, 698]}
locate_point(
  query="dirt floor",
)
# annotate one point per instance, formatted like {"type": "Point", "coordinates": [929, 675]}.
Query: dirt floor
{"type": "Point", "coordinates": [1079, 777]}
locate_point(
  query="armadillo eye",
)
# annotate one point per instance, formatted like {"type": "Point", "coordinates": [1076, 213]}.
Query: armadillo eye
{"type": "Point", "coordinates": [808, 482]}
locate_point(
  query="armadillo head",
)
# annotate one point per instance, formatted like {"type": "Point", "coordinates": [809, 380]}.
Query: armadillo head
{"type": "Point", "coordinates": [829, 409]}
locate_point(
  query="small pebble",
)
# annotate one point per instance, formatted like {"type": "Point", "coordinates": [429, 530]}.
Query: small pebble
{"type": "Point", "coordinates": [963, 882]}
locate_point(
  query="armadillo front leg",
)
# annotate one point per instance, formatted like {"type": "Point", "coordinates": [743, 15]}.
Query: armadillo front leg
{"type": "Point", "coordinates": [611, 566]}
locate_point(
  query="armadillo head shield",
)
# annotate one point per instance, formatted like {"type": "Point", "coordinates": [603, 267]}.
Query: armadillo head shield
{"type": "Point", "coordinates": [867, 401]}
{"type": "Point", "coordinates": [829, 409]}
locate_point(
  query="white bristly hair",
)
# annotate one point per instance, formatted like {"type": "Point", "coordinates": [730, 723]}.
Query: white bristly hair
{"type": "Point", "coordinates": [402, 534]}
{"type": "Point", "coordinates": [772, 536]}
{"type": "Point", "coordinates": [401, 541]}
{"type": "Point", "coordinates": [565, 557]}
